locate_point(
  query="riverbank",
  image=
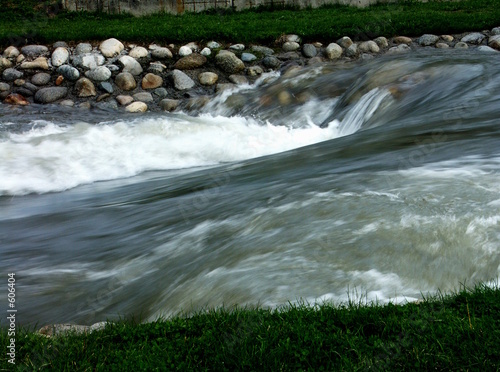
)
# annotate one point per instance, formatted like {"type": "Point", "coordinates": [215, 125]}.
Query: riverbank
{"type": "Point", "coordinates": [116, 75]}
{"type": "Point", "coordinates": [458, 331]}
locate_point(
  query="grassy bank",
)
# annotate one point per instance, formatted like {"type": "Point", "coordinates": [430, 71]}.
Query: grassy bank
{"type": "Point", "coordinates": [21, 23]}
{"type": "Point", "coordinates": [457, 332]}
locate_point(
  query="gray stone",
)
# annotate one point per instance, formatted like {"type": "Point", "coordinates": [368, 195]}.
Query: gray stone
{"type": "Point", "coordinates": [34, 50]}
{"type": "Point", "coordinates": [24, 91]}
{"type": "Point", "coordinates": [368, 47]}
{"type": "Point", "coordinates": [69, 72]}
{"type": "Point", "coordinates": [309, 50]}
{"type": "Point", "coordinates": [208, 78]}
{"type": "Point", "coordinates": [428, 39]}
{"type": "Point", "coordinates": [125, 81]}
{"type": "Point", "coordinates": [106, 87]}
{"type": "Point", "coordinates": [288, 56]}
{"type": "Point", "coordinates": [345, 42]}
{"type": "Point", "coordinates": [185, 51]}
{"type": "Point", "coordinates": [352, 51]}
{"type": "Point", "coordinates": [474, 38]}
{"type": "Point", "coordinates": [138, 52]}
{"type": "Point", "coordinates": [213, 45]}
{"type": "Point", "coordinates": [67, 103]}
{"type": "Point", "coordinates": [225, 86]}
{"type": "Point", "coordinates": [100, 73]}
{"type": "Point", "coordinates": [381, 42]}
{"type": "Point", "coordinates": [85, 88]}
{"type": "Point", "coordinates": [113, 68]}
{"type": "Point", "coordinates": [254, 71]}
{"type": "Point", "coordinates": [111, 48]}
{"type": "Point", "coordinates": [11, 74]}
{"type": "Point", "coordinates": [161, 53]}
{"type": "Point", "coordinates": [137, 107]}
{"type": "Point", "coordinates": [494, 32]}
{"type": "Point", "coordinates": [271, 62]}
{"type": "Point", "coordinates": [228, 62]}
{"type": "Point", "coordinates": [238, 79]}
{"type": "Point", "coordinates": [4, 87]}
{"type": "Point", "coordinates": [494, 42]}
{"type": "Point", "coordinates": [49, 95]}
{"type": "Point", "coordinates": [89, 60]}
{"type": "Point", "coordinates": [333, 51]}
{"type": "Point", "coordinates": [181, 80]}
{"type": "Point", "coordinates": [60, 44]}
{"type": "Point", "coordinates": [238, 47]}
{"type": "Point", "coordinates": [11, 52]}
{"type": "Point", "coordinates": [130, 65]}
{"type": "Point", "coordinates": [248, 57]}
{"type": "Point", "coordinates": [40, 79]}
{"type": "Point", "coordinates": [83, 48]}
{"type": "Point", "coordinates": [401, 48]}
{"type": "Point", "coordinates": [143, 97]}
{"type": "Point", "coordinates": [169, 104]}
{"type": "Point", "coordinates": [262, 49]}
{"type": "Point", "coordinates": [31, 87]}
{"type": "Point", "coordinates": [484, 48]}
{"type": "Point", "coordinates": [160, 93]}
{"type": "Point", "coordinates": [290, 46]}
{"type": "Point", "coordinates": [156, 67]}
{"type": "Point", "coordinates": [461, 45]}
{"type": "Point", "coordinates": [60, 56]}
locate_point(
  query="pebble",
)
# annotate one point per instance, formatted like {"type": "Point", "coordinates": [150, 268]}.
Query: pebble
{"type": "Point", "coordinates": [213, 45]}
{"type": "Point", "coordinates": [59, 57]}
{"type": "Point", "coordinates": [190, 62]}
{"type": "Point", "coordinates": [4, 87]}
{"type": "Point", "coordinates": [105, 87]}
{"type": "Point", "coordinates": [494, 32]}
{"type": "Point", "coordinates": [156, 67]}
{"type": "Point", "coordinates": [137, 107]}
{"type": "Point", "coordinates": [181, 80]}
{"type": "Point", "coordinates": [292, 38]}
{"type": "Point", "coordinates": [125, 81]}
{"type": "Point", "coordinates": [248, 57]}
{"type": "Point", "coordinates": [228, 62]}
{"type": "Point", "coordinates": [51, 94]}
{"type": "Point", "coordinates": [67, 103]}
{"type": "Point", "coordinates": [345, 42]}
{"type": "Point", "coordinates": [151, 81]}
{"type": "Point", "coordinates": [143, 97]}
{"type": "Point", "coordinates": [41, 78]}
{"type": "Point", "coordinates": [185, 51]}
{"type": "Point", "coordinates": [11, 74]}
{"type": "Point", "coordinates": [206, 52]}
{"type": "Point", "coordinates": [69, 72]}
{"type": "Point", "coordinates": [428, 39]}
{"type": "Point", "coordinates": [401, 48]}
{"type": "Point", "coordinates": [39, 63]}
{"type": "Point", "coordinates": [208, 78]}
{"type": "Point", "coordinates": [11, 52]}
{"type": "Point", "coordinates": [34, 50]}
{"type": "Point", "coordinates": [124, 100]}
{"type": "Point", "coordinates": [461, 45]}
{"type": "Point", "coordinates": [111, 47]}
{"type": "Point", "coordinates": [138, 52]}
{"type": "Point", "coordinates": [83, 48]}
{"type": "Point", "coordinates": [169, 104]}
{"type": "Point", "coordinates": [309, 50]}
{"type": "Point", "coordinates": [402, 40]}
{"type": "Point", "coordinates": [19, 82]}
{"type": "Point", "coordinates": [474, 38]}
{"type": "Point", "coordinates": [85, 88]}
{"type": "Point", "coordinates": [161, 53]}
{"type": "Point", "coordinates": [130, 65]}
{"type": "Point", "coordinates": [333, 51]}
{"type": "Point", "coordinates": [238, 47]}
{"type": "Point", "coordinates": [100, 73]}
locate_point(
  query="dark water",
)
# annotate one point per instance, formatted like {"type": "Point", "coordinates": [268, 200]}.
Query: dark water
{"type": "Point", "coordinates": [377, 180]}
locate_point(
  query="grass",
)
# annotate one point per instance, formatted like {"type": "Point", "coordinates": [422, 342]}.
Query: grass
{"type": "Point", "coordinates": [22, 23]}
{"type": "Point", "coordinates": [455, 332]}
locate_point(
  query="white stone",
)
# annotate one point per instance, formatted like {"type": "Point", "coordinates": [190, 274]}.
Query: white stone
{"type": "Point", "coordinates": [237, 47]}
{"type": "Point", "coordinates": [292, 38]}
{"type": "Point", "coordinates": [60, 56]}
{"type": "Point", "coordinates": [137, 107]}
{"type": "Point", "coordinates": [138, 52]}
{"type": "Point", "coordinates": [111, 47]}
{"type": "Point", "coordinates": [484, 48]}
{"type": "Point", "coordinates": [206, 52]}
{"type": "Point", "coordinates": [193, 46]}
{"type": "Point", "coordinates": [185, 51]}
{"type": "Point", "coordinates": [89, 60]}
{"type": "Point", "coordinates": [333, 51]}
{"type": "Point", "coordinates": [290, 46]}
{"type": "Point", "coordinates": [130, 65]}
{"type": "Point", "coordinates": [100, 73]}
{"type": "Point", "coordinates": [213, 45]}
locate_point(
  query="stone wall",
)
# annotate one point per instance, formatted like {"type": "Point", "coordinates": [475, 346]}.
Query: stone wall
{"type": "Point", "coordinates": [141, 7]}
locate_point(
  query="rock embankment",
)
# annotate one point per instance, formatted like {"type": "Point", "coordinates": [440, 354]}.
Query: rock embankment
{"type": "Point", "coordinates": [134, 78]}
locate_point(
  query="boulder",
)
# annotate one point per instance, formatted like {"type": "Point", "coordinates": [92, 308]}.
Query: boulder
{"type": "Point", "coordinates": [333, 51]}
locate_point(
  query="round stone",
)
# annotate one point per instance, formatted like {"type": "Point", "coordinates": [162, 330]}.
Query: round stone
{"type": "Point", "coordinates": [125, 81]}
{"type": "Point", "coordinates": [208, 78]}
{"type": "Point", "coordinates": [248, 57]}
{"type": "Point", "coordinates": [34, 50]}
{"type": "Point", "coordinates": [309, 50]}
{"type": "Point", "coordinates": [69, 72]}
{"type": "Point", "coordinates": [138, 52]}
{"type": "Point", "coordinates": [137, 107]}
{"type": "Point", "coordinates": [271, 62]}
{"type": "Point", "coordinates": [160, 93]}
{"type": "Point", "coordinates": [228, 62]}
{"type": "Point", "coordinates": [461, 45]}
{"type": "Point", "coordinates": [85, 88]}
{"type": "Point", "coordinates": [428, 39]}
{"type": "Point", "coordinates": [190, 62]}
{"type": "Point", "coordinates": [345, 42]}
{"type": "Point", "coordinates": [181, 80]}
{"type": "Point", "coordinates": [41, 78]}
{"type": "Point", "coordinates": [381, 42]}
{"type": "Point", "coordinates": [100, 73]}
{"type": "Point", "coordinates": [130, 65]}
{"type": "Point", "coordinates": [11, 74]}
{"type": "Point", "coordinates": [185, 51]}
{"type": "Point", "coordinates": [473, 38]}
{"type": "Point", "coordinates": [206, 52]}
{"type": "Point", "coordinates": [333, 51]}
{"type": "Point", "coordinates": [291, 46]}
{"type": "Point", "coordinates": [143, 97]}
{"type": "Point", "coordinates": [49, 95]}
{"type": "Point", "coordinates": [402, 40]}
{"type": "Point", "coordinates": [369, 47]}
{"type": "Point", "coordinates": [161, 53]}
{"type": "Point", "coordinates": [111, 47]}
{"type": "Point", "coordinates": [60, 56]}
{"type": "Point", "coordinates": [238, 47]}
{"type": "Point", "coordinates": [151, 81]}
{"type": "Point", "coordinates": [83, 48]}
{"type": "Point", "coordinates": [213, 45]}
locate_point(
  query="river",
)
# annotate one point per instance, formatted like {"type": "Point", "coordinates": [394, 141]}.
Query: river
{"type": "Point", "coordinates": [370, 181]}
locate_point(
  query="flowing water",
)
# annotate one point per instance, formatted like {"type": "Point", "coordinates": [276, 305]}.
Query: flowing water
{"type": "Point", "coordinates": [378, 179]}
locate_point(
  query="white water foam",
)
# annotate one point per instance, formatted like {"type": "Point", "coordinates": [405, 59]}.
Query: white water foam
{"type": "Point", "coordinates": [55, 158]}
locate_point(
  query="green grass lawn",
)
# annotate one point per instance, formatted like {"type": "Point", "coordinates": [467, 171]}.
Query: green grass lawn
{"type": "Point", "coordinates": [21, 23]}
{"type": "Point", "coordinates": [455, 332]}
